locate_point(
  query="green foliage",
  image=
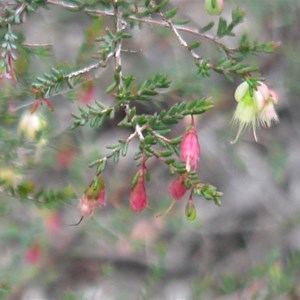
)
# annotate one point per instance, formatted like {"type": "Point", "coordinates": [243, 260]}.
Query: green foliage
{"type": "Point", "coordinates": [102, 47]}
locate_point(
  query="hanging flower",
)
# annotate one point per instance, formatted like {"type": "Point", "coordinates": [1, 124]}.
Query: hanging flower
{"type": "Point", "coordinates": [177, 188]}
{"type": "Point", "coordinates": [190, 148]}
{"type": "Point", "coordinates": [93, 196]}
{"type": "Point", "coordinates": [138, 196]}
{"type": "Point", "coordinates": [253, 109]}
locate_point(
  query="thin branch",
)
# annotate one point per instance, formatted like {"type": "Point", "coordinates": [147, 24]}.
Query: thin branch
{"type": "Point", "coordinates": [193, 31]}
{"type": "Point", "coordinates": [117, 54]}
{"type": "Point", "coordinates": [68, 76]}
{"type": "Point", "coordinates": [182, 42]}
{"type": "Point", "coordinates": [20, 9]}
{"type": "Point", "coordinates": [159, 136]}
{"type": "Point", "coordinates": [46, 45]}
{"type": "Point", "coordinates": [64, 5]}
{"type": "Point", "coordinates": [89, 68]}
{"type": "Point", "coordinates": [138, 132]}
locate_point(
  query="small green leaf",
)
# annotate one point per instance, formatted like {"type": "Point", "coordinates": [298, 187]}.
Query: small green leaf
{"type": "Point", "coordinates": [125, 149]}
{"type": "Point", "coordinates": [207, 27]}
{"type": "Point", "coordinates": [111, 88]}
{"type": "Point", "coordinates": [195, 45]}
{"type": "Point", "coordinates": [126, 35]}
{"type": "Point", "coordinates": [222, 26]}
{"type": "Point", "coordinates": [171, 13]}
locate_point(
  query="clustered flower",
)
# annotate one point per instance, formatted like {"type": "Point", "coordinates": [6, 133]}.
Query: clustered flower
{"type": "Point", "coordinates": [254, 108]}
{"type": "Point", "coordinates": [190, 155]}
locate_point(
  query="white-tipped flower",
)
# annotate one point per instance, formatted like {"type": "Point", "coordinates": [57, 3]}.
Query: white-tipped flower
{"type": "Point", "coordinates": [31, 124]}
{"type": "Point", "coordinates": [268, 113]}
{"type": "Point", "coordinates": [254, 109]}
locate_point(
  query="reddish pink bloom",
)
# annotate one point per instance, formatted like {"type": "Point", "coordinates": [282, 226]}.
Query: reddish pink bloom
{"type": "Point", "coordinates": [88, 95]}
{"type": "Point", "coordinates": [53, 223]}
{"type": "Point", "coordinates": [64, 158]}
{"type": "Point", "coordinates": [138, 196]}
{"type": "Point", "coordinates": [33, 254]}
{"type": "Point", "coordinates": [177, 188]}
{"type": "Point", "coordinates": [94, 196]}
{"type": "Point", "coordinates": [190, 149]}
{"type": "Point", "coordinates": [87, 92]}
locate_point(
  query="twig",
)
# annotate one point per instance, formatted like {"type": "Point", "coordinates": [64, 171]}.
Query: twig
{"type": "Point", "coordinates": [161, 137]}
{"type": "Point", "coordinates": [182, 42]}
{"type": "Point", "coordinates": [89, 68]}
{"type": "Point", "coordinates": [64, 5]}
{"type": "Point", "coordinates": [46, 45]}
{"type": "Point", "coordinates": [68, 76]}
{"type": "Point", "coordinates": [138, 132]}
{"type": "Point", "coordinates": [117, 54]}
{"type": "Point", "coordinates": [193, 31]}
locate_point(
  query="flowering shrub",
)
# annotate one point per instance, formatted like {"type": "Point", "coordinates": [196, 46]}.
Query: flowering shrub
{"type": "Point", "coordinates": [153, 131]}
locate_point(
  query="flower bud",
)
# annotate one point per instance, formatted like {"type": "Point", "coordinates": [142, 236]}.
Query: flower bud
{"type": "Point", "coordinates": [190, 211]}
{"type": "Point", "coordinates": [138, 196]}
{"type": "Point", "coordinates": [33, 254]}
{"type": "Point", "coordinates": [31, 124]}
{"type": "Point", "coordinates": [177, 188]}
{"type": "Point", "coordinates": [190, 149]}
{"type": "Point", "coordinates": [214, 7]}
{"type": "Point", "coordinates": [93, 196]}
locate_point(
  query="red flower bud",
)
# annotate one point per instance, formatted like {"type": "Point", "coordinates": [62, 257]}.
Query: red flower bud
{"type": "Point", "coordinates": [177, 188]}
{"type": "Point", "coordinates": [138, 196]}
{"type": "Point", "coordinates": [93, 196]}
{"type": "Point", "coordinates": [33, 254]}
{"type": "Point", "coordinates": [190, 149]}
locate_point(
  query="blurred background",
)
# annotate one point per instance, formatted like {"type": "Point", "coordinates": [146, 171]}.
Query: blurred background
{"type": "Point", "coordinates": [247, 249]}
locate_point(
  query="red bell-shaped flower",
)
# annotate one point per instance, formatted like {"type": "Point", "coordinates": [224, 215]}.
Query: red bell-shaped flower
{"type": "Point", "coordinates": [177, 188]}
{"type": "Point", "coordinates": [138, 196]}
{"type": "Point", "coordinates": [190, 149]}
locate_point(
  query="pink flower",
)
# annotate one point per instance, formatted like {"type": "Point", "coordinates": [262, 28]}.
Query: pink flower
{"type": "Point", "coordinates": [190, 149]}
{"type": "Point", "coordinates": [177, 188]}
{"type": "Point", "coordinates": [93, 196]}
{"type": "Point", "coordinates": [268, 113]}
{"type": "Point", "coordinates": [64, 158]}
{"type": "Point", "coordinates": [53, 223]}
{"type": "Point", "coordinates": [33, 254]}
{"type": "Point", "coordinates": [138, 196]}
